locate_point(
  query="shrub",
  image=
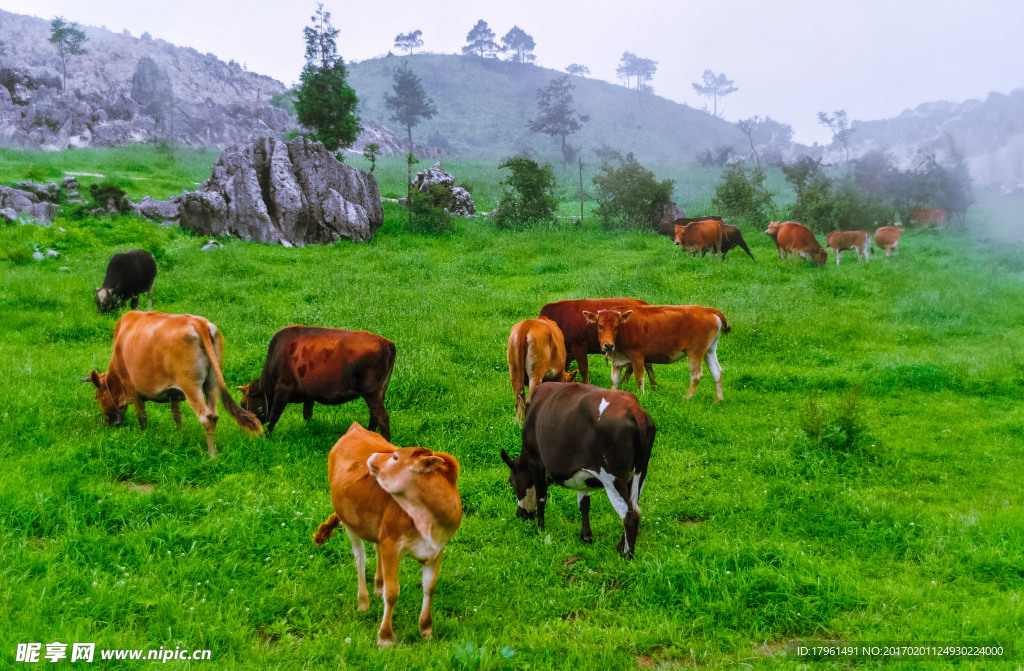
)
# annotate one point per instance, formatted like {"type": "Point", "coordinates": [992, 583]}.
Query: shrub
{"type": "Point", "coordinates": [839, 429]}
{"type": "Point", "coordinates": [430, 209]}
{"type": "Point", "coordinates": [742, 193]}
{"type": "Point", "coordinates": [714, 158]}
{"type": "Point", "coordinates": [110, 197]}
{"type": "Point", "coordinates": [629, 197]}
{"type": "Point", "coordinates": [529, 194]}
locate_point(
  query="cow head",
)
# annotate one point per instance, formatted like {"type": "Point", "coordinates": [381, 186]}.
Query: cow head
{"type": "Point", "coordinates": [679, 234]}
{"type": "Point", "coordinates": [521, 479]}
{"type": "Point", "coordinates": [773, 228]}
{"type": "Point", "coordinates": [608, 323]}
{"type": "Point", "coordinates": [820, 257]}
{"type": "Point", "coordinates": [106, 301]}
{"type": "Point", "coordinates": [255, 400]}
{"type": "Point", "coordinates": [396, 471]}
{"type": "Point", "coordinates": [109, 396]}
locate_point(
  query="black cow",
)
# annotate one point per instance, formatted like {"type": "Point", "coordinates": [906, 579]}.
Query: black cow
{"type": "Point", "coordinates": [732, 238]}
{"type": "Point", "coordinates": [128, 275]}
{"type": "Point", "coordinates": [308, 365]}
{"type": "Point", "coordinates": [584, 438]}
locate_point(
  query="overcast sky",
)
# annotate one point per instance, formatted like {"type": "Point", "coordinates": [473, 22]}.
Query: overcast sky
{"type": "Point", "coordinates": [789, 59]}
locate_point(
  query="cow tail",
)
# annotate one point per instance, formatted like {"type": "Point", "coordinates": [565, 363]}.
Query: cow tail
{"type": "Point", "coordinates": [743, 245]}
{"type": "Point", "coordinates": [245, 419]}
{"type": "Point", "coordinates": [324, 531]}
{"type": "Point", "coordinates": [725, 325]}
{"type": "Point", "coordinates": [392, 352]}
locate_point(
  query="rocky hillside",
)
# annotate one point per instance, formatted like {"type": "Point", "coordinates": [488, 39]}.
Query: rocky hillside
{"type": "Point", "coordinates": [126, 89]}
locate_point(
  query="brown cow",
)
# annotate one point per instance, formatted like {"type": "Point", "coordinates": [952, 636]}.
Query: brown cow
{"type": "Point", "coordinates": [661, 334]}
{"type": "Point", "coordinates": [928, 215]}
{"type": "Point", "coordinates": [307, 364]}
{"type": "Point", "coordinates": [405, 501]}
{"type": "Point", "coordinates": [700, 236]}
{"type": "Point", "coordinates": [732, 238]}
{"type": "Point", "coordinates": [536, 352]}
{"type": "Point", "coordinates": [580, 335]}
{"type": "Point", "coordinates": [840, 241]}
{"type": "Point", "coordinates": [887, 237]}
{"type": "Point", "coordinates": [794, 237]}
{"type": "Point", "coordinates": [166, 358]}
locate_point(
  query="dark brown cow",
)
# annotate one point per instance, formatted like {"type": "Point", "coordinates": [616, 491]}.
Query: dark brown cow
{"type": "Point", "coordinates": [581, 336]}
{"type": "Point", "coordinates": [661, 334]}
{"type": "Point", "coordinates": [792, 237]}
{"type": "Point", "coordinates": [128, 275]}
{"type": "Point", "coordinates": [536, 352]}
{"type": "Point", "coordinates": [923, 216]}
{"type": "Point", "coordinates": [887, 237]}
{"type": "Point", "coordinates": [406, 501]}
{"type": "Point", "coordinates": [700, 236]}
{"type": "Point", "coordinates": [840, 241]}
{"type": "Point", "coordinates": [732, 238]}
{"type": "Point", "coordinates": [308, 365]}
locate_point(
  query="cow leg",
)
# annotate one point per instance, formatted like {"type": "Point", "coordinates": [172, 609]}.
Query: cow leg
{"type": "Point", "coordinates": [617, 375]}
{"type": "Point", "coordinates": [430, 570]}
{"type": "Point", "coordinates": [711, 358]}
{"type": "Point", "coordinates": [540, 482]}
{"type": "Point", "coordinates": [695, 372]}
{"type": "Point", "coordinates": [307, 410]}
{"type": "Point", "coordinates": [650, 373]}
{"type": "Point", "coordinates": [176, 412]}
{"type": "Point", "coordinates": [390, 554]}
{"type": "Point", "coordinates": [379, 415]}
{"type": "Point", "coordinates": [583, 501]}
{"type": "Point", "coordinates": [140, 410]}
{"type": "Point", "coordinates": [276, 408]}
{"type": "Point", "coordinates": [135, 301]}
{"type": "Point", "coordinates": [837, 257]}
{"type": "Point", "coordinates": [623, 495]}
{"type": "Point", "coordinates": [580, 355]}
{"type": "Point", "coordinates": [378, 575]}
{"type": "Point", "coordinates": [149, 298]}
{"type": "Point", "coordinates": [359, 553]}
{"type": "Point", "coordinates": [638, 371]}
{"type": "Point", "coordinates": [207, 417]}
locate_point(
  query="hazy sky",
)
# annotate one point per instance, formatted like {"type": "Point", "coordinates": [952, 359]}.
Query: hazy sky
{"type": "Point", "coordinates": [789, 59]}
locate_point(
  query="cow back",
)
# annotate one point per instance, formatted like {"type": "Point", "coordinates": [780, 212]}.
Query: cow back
{"type": "Point", "coordinates": [660, 332]}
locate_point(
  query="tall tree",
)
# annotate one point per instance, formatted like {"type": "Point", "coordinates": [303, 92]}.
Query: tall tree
{"type": "Point", "coordinates": [626, 67]}
{"type": "Point", "coordinates": [577, 69]}
{"type": "Point", "coordinates": [747, 126]}
{"type": "Point", "coordinates": [410, 103]}
{"type": "Point", "coordinates": [324, 102]}
{"type": "Point", "coordinates": [714, 87]}
{"type": "Point", "coordinates": [519, 45]}
{"type": "Point", "coordinates": [556, 114]}
{"type": "Point", "coordinates": [480, 41]}
{"type": "Point", "coordinates": [636, 67]}
{"type": "Point", "coordinates": [70, 41]}
{"type": "Point", "coordinates": [840, 127]}
{"type": "Point", "coordinates": [409, 41]}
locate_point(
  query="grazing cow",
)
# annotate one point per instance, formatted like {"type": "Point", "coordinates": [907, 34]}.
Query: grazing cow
{"type": "Point", "coordinates": [661, 334]}
{"type": "Point", "coordinates": [928, 215]}
{"type": "Point", "coordinates": [700, 236]}
{"type": "Point", "coordinates": [584, 438]}
{"type": "Point", "coordinates": [128, 275]}
{"type": "Point", "coordinates": [405, 501]}
{"type": "Point", "coordinates": [536, 352]}
{"type": "Point", "coordinates": [887, 238]}
{"type": "Point", "coordinates": [793, 237]}
{"type": "Point", "coordinates": [732, 238]}
{"type": "Point", "coordinates": [166, 358]}
{"type": "Point", "coordinates": [308, 365]}
{"type": "Point", "coordinates": [859, 241]}
{"type": "Point", "coordinates": [581, 336]}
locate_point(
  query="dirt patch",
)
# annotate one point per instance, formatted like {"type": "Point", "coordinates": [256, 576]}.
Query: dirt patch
{"type": "Point", "coordinates": [773, 648]}
{"type": "Point", "coordinates": [140, 487]}
{"type": "Point", "coordinates": [690, 522]}
{"type": "Point", "coordinates": [645, 662]}
{"type": "Point", "coordinates": [569, 561]}
{"type": "Point", "coordinates": [37, 542]}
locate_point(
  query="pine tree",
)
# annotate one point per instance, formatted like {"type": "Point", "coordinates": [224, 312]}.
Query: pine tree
{"type": "Point", "coordinates": [70, 41]}
{"type": "Point", "coordinates": [556, 115]}
{"type": "Point", "coordinates": [480, 41]}
{"type": "Point", "coordinates": [410, 104]}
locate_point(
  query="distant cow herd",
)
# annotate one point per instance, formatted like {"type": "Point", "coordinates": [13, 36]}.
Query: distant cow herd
{"type": "Point", "coordinates": [406, 500]}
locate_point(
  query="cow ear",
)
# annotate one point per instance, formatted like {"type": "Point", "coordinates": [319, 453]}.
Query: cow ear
{"type": "Point", "coordinates": [507, 459]}
{"type": "Point", "coordinates": [428, 464]}
{"type": "Point", "coordinates": [624, 317]}
{"type": "Point", "coordinates": [569, 377]}
{"type": "Point", "coordinates": [590, 317]}
{"type": "Point", "coordinates": [94, 377]}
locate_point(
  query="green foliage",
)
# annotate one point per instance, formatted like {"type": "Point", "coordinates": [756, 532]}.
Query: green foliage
{"type": "Point", "coordinates": [556, 113]}
{"type": "Point", "coordinates": [480, 41]}
{"type": "Point", "coordinates": [324, 102]}
{"type": "Point", "coordinates": [714, 86]}
{"type": "Point", "coordinates": [742, 193]}
{"type": "Point", "coordinates": [629, 197]}
{"type": "Point", "coordinates": [70, 41]}
{"type": "Point", "coordinates": [410, 103]}
{"type": "Point", "coordinates": [714, 158]}
{"type": "Point", "coordinates": [529, 195]}
{"type": "Point", "coordinates": [429, 210]}
{"type": "Point", "coordinates": [519, 46]}
{"type": "Point", "coordinates": [284, 100]}
{"type": "Point", "coordinates": [841, 428]}
{"type": "Point", "coordinates": [409, 41]}
{"type": "Point", "coordinates": [110, 197]}
{"type": "Point", "coordinates": [370, 152]}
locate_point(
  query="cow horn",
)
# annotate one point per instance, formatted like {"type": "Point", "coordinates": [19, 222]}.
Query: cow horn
{"type": "Point", "coordinates": [507, 459]}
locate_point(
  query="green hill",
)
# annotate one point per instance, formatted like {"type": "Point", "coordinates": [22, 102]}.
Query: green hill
{"type": "Point", "coordinates": [484, 105]}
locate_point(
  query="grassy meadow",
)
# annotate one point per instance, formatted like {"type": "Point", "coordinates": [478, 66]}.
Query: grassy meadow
{"type": "Point", "coordinates": [860, 483]}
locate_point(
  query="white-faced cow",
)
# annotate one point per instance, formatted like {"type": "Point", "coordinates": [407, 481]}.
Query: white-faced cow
{"type": "Point", "coordinates": [405, 501]}
{"type": "Point", "coordinates": [661, 334]}
{"type": "Point", "coordinates": [580, 335]}
{"type": "Point", "coordinates": [536, 352]}
{"type": "Point", "coordinates": [166, 358]}
{"type": "Point", "coordinates": [307, 365]}
{"type": "Point", "coordinates": [128, 275]}
{"type": "Point", "coordinates": [887, 238]}
{"type": "Point", "coordinates": [584, 438]}
{"type": "Point", "coordinates": [859, 241]}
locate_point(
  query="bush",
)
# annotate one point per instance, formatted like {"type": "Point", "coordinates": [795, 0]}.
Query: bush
{"type": "Point", "coordinates": [110, 197]}
{"type": "Point", "coordinates": [629, 197]}
{"type": "Point", "coordinates": [529, 196]}
{"type": "Point", "coordinates": [840, 429]}
{"type": "Point", "coordinates": [430, 210]}
{"type": "Point", "coordinates": [714, 158]}
{"type": "Point", "coordinates": [742, 193]}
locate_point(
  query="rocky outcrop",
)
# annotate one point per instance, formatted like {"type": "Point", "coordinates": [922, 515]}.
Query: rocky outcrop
{"type": "Point", "coordinates": [294, 193]}
{"type": "Point", "coordinates": [390, 144]}
{"type": "Point", "coordinates": [460, 203]}
{"type": "Point", "coordinates": [669, 214]}
{"type": "Point", "coordinates": [19, 205]}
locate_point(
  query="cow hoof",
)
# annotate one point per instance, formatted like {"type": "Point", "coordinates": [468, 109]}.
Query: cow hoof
{"type": "Point", "coordinates": [427, 633]}
{"type": "Point", "coordinates": [383, 643]}
{"type": "Point", "coordinates": [588, 538]}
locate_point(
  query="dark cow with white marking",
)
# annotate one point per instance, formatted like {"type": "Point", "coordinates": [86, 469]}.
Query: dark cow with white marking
{"type": "Point", "coordinates": [584, 438]}
{"type": "Point", "coordinates": [128, 275]}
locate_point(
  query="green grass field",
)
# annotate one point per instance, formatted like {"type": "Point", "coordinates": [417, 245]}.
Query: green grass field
{"type": "Point", "coordinates": [860, 483]}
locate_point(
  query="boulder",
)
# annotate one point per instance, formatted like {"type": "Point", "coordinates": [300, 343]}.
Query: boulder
{"type": "Point", "coordinates": [461, 201]}
{"type": "Point", "coordinates": [158, 210]}
{"type": "Point", "coordinates": [25, 204]}
{"type": "Point", "coordinates": [48, 192]}
{"type": "Point", "coordinates": [669, 214]}
{"type": "Point", "coordinates": [294, 193]}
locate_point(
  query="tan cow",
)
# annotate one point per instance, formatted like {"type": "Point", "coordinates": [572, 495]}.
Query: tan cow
{"type": "Point", "coordinates": [661, 334]}
{"type": "Point", "coordinates": [887, 237]}
{"type": "Point", "coordinates": [166, 358]}
{"type": "Point", "coordinates": [405, 501]}
{"type": "Point", "coordinates": [859, 241]}
{"type": "Point", "coordinates": [792, 237]}
{"type": "Point", "coordinates": [703, 235]}
{"type": "Point", "coordinates": [536, 352]}
{"type": "Point", "coordinates": [928, 215]}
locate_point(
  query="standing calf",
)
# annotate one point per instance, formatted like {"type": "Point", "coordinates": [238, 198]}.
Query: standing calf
{"type": "Point", "coordinates": [840, 241]}
{"type": "Point", "coordinates": [887, 238]}
{"type": "Point", "coordinates": [405, 501]}
{"type": "Point", "coordinates": [536, 352]}
{"type": "Point", "coordinates": [128, 275]}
